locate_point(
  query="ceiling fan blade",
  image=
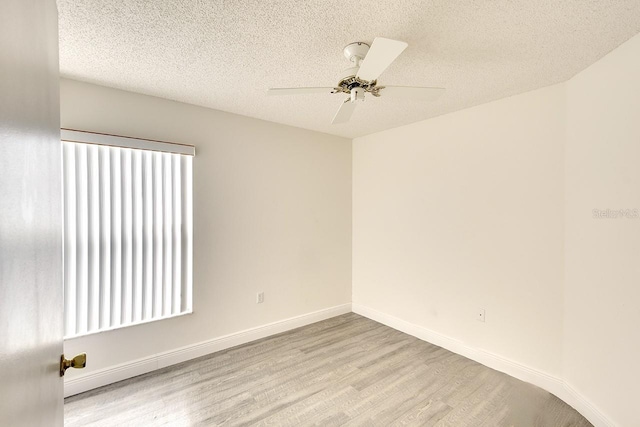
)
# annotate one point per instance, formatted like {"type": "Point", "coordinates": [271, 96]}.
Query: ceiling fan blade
{"type": "Point", "coordinates": [381, 54]}
{"type": "Point", "coordinates": [299, 90]}
{"type": "Point", "coordinates": [344, 112]}
{"type": "Point", "coordinates": [412, 92]}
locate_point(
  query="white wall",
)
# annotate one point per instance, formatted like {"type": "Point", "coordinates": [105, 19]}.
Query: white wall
{"type": "Point", "coordinates": [602, 275]}
{"type": "Point", "coordinates": [465, 211]}
{"type": "Point", "coordinates": [272, 213]}
{"type": "Point", "coordinates": [492, 207]}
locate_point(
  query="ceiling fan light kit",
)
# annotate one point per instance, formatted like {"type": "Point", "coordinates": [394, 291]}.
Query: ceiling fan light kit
{"type": "Point", "coordinates": [362, 78]}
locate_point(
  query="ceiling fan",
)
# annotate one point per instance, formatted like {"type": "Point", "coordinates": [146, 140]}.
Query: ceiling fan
{"type": "Point", "coordinates": [362, 78]}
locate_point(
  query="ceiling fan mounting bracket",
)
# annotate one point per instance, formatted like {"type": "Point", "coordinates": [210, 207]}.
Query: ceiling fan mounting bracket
{"type": "Point", "coordinates": [355, 52]}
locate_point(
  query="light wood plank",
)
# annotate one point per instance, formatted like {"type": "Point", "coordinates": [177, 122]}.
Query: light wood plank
{"type": "Point", "coordinates": [347, 370]}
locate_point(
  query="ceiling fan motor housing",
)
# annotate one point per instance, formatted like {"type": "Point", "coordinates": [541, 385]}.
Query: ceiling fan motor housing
{"type": "Point", "coordinates": [349, 81]}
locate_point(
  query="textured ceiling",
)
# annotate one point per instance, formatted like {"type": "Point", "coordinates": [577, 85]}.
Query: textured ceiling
{"type": "Point", "coordinates": [225, 54]}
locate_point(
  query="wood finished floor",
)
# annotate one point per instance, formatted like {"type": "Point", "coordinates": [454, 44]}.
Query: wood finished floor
{"type": "Point", "coordinates": [347, 370]}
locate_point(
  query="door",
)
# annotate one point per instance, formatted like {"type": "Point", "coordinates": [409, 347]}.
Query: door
{"type": "Point", "coordinates": [30, 216]}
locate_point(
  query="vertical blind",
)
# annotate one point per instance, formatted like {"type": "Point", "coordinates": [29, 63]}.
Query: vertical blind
{"type": "Point", "coordinates": [128, 236]}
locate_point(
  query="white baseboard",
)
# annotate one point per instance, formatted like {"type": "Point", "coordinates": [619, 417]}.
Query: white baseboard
{"type": "Point", "coordinates": [576, 400]}
{"type": "Point", "coordinates": [539, 378]}
{"type": "Point", "coordinates": [141, 366]}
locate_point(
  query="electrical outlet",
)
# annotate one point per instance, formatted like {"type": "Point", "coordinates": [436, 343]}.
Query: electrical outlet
{"type": "Point", "coordinates": [259, 297]}
{"type": "Point", "coordinates": [480, 315]}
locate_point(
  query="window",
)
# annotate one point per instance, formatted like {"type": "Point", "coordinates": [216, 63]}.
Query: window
{"type": "Point", "coordinates": [127, 231]}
